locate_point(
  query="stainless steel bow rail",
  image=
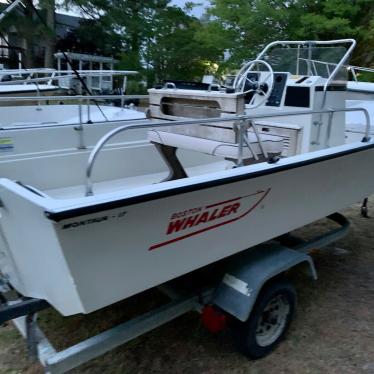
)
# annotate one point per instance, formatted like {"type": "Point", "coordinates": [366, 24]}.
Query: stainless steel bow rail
{"type": "Point", "coordinates": [242, 122]}
{"type": "Point", "coordinates": [268, 261]}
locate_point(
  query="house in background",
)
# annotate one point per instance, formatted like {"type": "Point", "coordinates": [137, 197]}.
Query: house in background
{"type": "Point", "coordinates": [14, 46]}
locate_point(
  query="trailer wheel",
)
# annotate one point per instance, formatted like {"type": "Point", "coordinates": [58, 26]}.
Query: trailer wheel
{"type": "Point", "coordinates": [269, 320]}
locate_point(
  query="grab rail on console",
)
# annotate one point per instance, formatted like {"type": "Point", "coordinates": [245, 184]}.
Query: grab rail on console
{"type": "Point", "coordinates": [240, 121]}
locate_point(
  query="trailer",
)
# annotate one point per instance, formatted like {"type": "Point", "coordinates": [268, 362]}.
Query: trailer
{"type": "Point", "coordinates": [248, 291]}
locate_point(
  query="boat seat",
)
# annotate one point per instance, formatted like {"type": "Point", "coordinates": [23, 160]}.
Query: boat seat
{"type": "Point", "coordinates": [272, 144]}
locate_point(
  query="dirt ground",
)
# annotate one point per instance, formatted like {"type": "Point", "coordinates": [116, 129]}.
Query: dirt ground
{"type": "Point", "coordinates": [333, 331]}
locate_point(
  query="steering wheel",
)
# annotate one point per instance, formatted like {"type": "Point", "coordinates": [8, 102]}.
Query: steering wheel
{"type": "Point", "coordinates": [246, 85]}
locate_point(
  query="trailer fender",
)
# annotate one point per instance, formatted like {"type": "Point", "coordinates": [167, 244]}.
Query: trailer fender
{"type": "Point", "coordinates": [248, 272]}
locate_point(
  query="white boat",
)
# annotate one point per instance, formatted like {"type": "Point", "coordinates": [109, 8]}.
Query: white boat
{"type": "Point", "coordinates": [23, 82]}
{"type": "Point", "coordinates": [27, 90]}
{"type": "Point", "coordinates": [35, 130]}
{"type": "Point", "coordinates": [83, 233]}
{"type": "Point", "coordinates": [45, 81]}
{"type": "Point", "coordinates": [43, 124]}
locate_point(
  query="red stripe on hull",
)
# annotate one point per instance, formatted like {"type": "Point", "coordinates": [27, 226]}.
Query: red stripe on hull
{"type": "Point", "coordinates": [153, 247]}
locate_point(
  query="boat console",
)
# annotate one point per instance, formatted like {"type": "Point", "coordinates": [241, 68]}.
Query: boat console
{"type": "Point", "coordinates": [173, 101]}
{"type": "Point", "coordinates": [284, 77]}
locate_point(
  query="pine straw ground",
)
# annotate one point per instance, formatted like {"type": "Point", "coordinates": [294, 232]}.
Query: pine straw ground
{"type": "Point", "coordinates": [333, 331]}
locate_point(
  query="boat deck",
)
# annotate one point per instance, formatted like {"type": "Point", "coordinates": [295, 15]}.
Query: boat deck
{"type": "Point", "coordinates": [133, 182]}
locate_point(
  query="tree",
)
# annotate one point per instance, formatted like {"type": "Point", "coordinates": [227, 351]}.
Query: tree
{"type": "Point", "coordinates": [336, 19]}
{"type": "Point", "coordinates": [131, 20]}
{"type": "Point", "coordinates": [156, 38]}
{"type": "Point", "coordinates": [92, 37]}
{"type": "Point", "coordinates": [48, 8]}
{"type": "Point", "coordinates": [243, 27]}
{"type": "Point", "coordinates": [174, 49]}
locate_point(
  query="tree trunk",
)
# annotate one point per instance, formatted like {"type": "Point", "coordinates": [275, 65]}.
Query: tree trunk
{"type": "Point", "coordinates": [27, 40]}
{"type": "Point", "coordinates": [50, 41]}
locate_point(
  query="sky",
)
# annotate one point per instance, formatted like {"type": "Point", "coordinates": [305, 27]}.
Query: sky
{"type": "Point", "coordinates": [197, 11]}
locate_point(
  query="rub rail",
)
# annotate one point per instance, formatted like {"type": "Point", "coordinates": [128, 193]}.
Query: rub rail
{"type": "Point", "coordinates": [240, 121]}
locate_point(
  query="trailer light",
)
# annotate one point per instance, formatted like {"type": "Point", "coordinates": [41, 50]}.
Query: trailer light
{"type": "Point", "coordinates": [214, 320]}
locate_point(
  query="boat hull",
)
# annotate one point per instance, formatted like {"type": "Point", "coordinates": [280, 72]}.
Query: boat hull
{"type": "Point", "coordinates": [21, 90]}
{"type": "Point", "coordinates": [96, 254]}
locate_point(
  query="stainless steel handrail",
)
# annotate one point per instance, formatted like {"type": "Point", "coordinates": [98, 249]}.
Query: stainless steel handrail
{"type": "Point", "coordinates": [361, 68]}
{"type": "Point", "coordinates": [239, 120]}
{"type": "Point", "coordinates": [88, 99]}
{"type": "Point", "coordinates": [54, 124]}
{"type": "Point", "coordinates": [26, 71]}
{"type": "Point", "coordinates": [56, 75]}
{"type": "Point", "coordinates": [74, 97]}
{"type": "Point", "coordinates": [52, 70]}
{"type": "Point", "coordinates": [311, 43]}
{"type": "Point", "coordinates": [351, 68]}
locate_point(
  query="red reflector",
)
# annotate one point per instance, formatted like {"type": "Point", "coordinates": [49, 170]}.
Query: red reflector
{"type": "Point", "coordinates": [212, 319]}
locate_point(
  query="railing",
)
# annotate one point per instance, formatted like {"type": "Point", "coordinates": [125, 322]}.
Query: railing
{"type": "Point", "coordinates": [313, 43]}
{"type": "Point", "coordinates": [70, 97]}
{"type": "Point", "coordinates": [353, 69]}
{"type": "Point", "coordinates": [25, 77]}
{"type": "Point", "coordinates": [242, 123]}
{"type": "Point", "coordinates": [81, 99]}
{"type": "Point", "coordinates": [57, 75]}
{"type": "Point", "coordinates": [313, 68]}
{"type": "Point", "coordinates": [63, 77]}
{"type": "Point", "coordinates": [20, 72]}
{"type": "Point", "coordinates": [83, 102]}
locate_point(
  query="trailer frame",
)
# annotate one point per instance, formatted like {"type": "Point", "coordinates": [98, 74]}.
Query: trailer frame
{"type": "Point", "coordinates": [23, 311]}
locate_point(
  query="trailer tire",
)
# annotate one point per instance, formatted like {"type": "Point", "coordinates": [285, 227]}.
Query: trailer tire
{"type": "Point", "coordinates": [269, 320]}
